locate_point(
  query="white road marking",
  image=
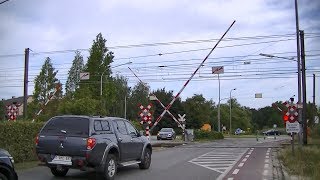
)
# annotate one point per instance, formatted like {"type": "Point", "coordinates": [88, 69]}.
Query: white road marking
{"type": "Point", "coordinates": [267, 157]}
{"type": "Point", "coordinates": [235, 171]}
{"type": "Point", "coordinates": [266, 161]}
{"type": "Point", "coordinates": [219, 159]}
{"type": "Point", "coordinates": [240, 164]}
{"type": "Point", "coordinates": [268, 154]}
{"type": "Point", "coordinates": [266, 166]}
{"type": "Point", "coordinates": [250, 152]}
{"type": "Point", "coordinates": [230, 178]}
{"type": "Point", "coordinates": [265, 172]}
{"type": "Point", "coordinates": [244, 159]}
{"type": "Point", "coordinates": [247, 156]}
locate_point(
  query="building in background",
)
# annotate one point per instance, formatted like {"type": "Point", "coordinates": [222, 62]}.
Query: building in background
{"type": "Point", "coordinates": [14, 107]}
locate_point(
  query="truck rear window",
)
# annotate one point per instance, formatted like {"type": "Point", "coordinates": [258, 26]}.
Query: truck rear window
{"type": "Point", "coordinates": [70, 126]}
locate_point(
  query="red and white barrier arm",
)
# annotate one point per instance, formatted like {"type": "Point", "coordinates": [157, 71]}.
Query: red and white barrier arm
{"type": "Point", "coordinates": [184, 86]}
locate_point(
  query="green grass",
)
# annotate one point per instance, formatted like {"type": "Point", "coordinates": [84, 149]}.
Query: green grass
{"type": "Point", "coordinates": [304, 163]}
{"type": "Point", "coordinates": [25, 165]}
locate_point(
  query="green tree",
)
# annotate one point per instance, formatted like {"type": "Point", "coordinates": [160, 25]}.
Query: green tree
{"type": "Point", "coordinates": [267, 116]}
{"type": "Point", "coordinates": [241, 116]}
{"type": "Point", "coordinates": [73, 80]}
{"type": "Point", "coordinates": [98, 65]}
{"type": "Point", "coordinates": [121, 93]}
{"type": "Point", "coordinates": [83, 106]}
{"type": "Point", "coordinates": [199, 111]}
{"type": "Point", "coordinates": [165, 97]}
{"type": "Point", "coordinates": [139, 95]}
{"type": "Point", "coordinates": [2, 111]}
{"type": "Point", "coordinates": [45, 84]}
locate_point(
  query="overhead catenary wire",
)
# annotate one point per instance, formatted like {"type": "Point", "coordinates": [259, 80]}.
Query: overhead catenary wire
{"type": "Point", "coordinates": [184, 79]}
{"type": "Point", "coordinates": [231, 62]}
{"type": "Point", "coordinates": [307, 35]}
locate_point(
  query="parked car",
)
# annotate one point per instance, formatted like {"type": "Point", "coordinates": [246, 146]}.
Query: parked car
{"type": "Point", "coordinates": [7, 171]}
{"type": "Point", "coordinates": [271, 132]}
{"type": "Point", "coordinates": [83, 142]}
{"type": "Point", "coordinates": [166, 133]}
{"type": "Point", "coordinates": [238, 131]}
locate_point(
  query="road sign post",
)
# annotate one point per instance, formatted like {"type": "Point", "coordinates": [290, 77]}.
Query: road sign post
{"type": "Point", "coordinates": [182, 120]}
{"type": "Point", "coordinates": [292, 125]}
{"type": "Point", "coordinates": [218, 70]}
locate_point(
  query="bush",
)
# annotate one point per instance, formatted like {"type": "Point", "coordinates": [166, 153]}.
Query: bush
{"type": "Point", "coordinates": [137, 125]}
{"type": "Point", "coordinates": [305, 162]}
{"type": "Point", "coordinates": [207, 135]}
{"type": "Point", "coordinates": [18, 138]}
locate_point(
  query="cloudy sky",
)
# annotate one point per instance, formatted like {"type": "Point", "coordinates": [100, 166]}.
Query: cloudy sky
{"type": "Point", "coordinates": [194, 26]}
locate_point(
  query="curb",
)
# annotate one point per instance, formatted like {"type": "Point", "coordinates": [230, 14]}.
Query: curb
{"type": "Point", "coordinates": [172, 144]}
{"type": "Point", "coordinates": [277, 169]}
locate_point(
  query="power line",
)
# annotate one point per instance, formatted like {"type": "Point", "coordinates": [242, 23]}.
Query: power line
{"type": "Point", "coordinates": [201, 49]}
{"type": "Point", "coordinates": [261, 75]}
{"type": "Point", "coordinates": [187, 60]}
{"type": "Point", "coordinates": [309, 35]}
{"type": "Point", "coordinates": [4, 1]}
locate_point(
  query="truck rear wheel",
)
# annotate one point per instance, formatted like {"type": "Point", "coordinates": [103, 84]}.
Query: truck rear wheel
{"type": "Point", "coordinates": [111, 167]}
{"type": "Point", "coordinates": [146, 161]}
{"type": "Point", "coordinates": [59, 172]}
{"type": "Point", "coordinates": [3, 177]}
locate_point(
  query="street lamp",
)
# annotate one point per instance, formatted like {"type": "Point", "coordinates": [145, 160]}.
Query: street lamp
{"type": "Point", "coordinates": [230, 108]}
{"type": "Point", "coordinates": [106, 70]}
{"type": "Point", "coordinates": [218, 70]}
{"type": "Point", "coordinates": [279, 57]}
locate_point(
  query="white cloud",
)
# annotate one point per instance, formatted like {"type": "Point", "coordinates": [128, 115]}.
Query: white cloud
{"type": "Point", "coordinates": [51, 25]}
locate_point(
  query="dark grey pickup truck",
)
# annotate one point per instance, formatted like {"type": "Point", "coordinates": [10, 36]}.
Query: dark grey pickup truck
{"type": "Point", "coordinates": [84, 142]}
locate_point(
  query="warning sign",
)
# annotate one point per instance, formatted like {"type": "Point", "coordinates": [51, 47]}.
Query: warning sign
{"type": "Point", "coordinates": [292, 127]}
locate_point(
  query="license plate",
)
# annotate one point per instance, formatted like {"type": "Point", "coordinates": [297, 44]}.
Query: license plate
{"type": "Point", "coordinates": [65, 160]}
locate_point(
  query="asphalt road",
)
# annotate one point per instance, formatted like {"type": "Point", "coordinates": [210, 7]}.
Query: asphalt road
{"type": "Point", "coordinates": [214, 160]}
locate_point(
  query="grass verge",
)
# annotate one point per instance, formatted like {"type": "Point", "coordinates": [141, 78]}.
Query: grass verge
{"type": "Point", "coordinates": [25, 165]}
{"type": "Point", "coordinates": [304, 163]}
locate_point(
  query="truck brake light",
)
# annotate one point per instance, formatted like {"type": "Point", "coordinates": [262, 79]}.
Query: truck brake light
{"type": "Point", "coordinates": [37, 139]}
{"type": "Point", "coordinates": [91, 142]}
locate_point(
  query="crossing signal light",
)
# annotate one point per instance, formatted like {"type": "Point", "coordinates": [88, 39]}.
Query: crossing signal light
{"type": "Point", "coordinates": [285, 118]}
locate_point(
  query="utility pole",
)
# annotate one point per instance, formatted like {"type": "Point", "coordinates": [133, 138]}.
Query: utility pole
{"type": "Point", "coordinates": [304, 109]}
{"type": "Point", "coordinates": [299, 65]}
{"type": "Point", "coordinates": [25, 83]}
{"type": "Point", "coordinates": [230, 109]}
{"type": "Point", "coordinates": [314, 90]}
{"type": "Point", "coordinates": [314, 108]}
{"type": "Point", "coordinates": [219, 106]}
{"type": "Point", "coordinates": [125, 106]}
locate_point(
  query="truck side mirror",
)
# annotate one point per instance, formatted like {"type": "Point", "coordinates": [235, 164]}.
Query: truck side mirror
{"type": "Point", "coordinates": [141, 132]}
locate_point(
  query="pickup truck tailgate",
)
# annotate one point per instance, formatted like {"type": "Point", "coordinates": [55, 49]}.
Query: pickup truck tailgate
{"type": "Point", "coordinates": [66, 136]}
{"type": "Point", "coordinates": [62, 145]}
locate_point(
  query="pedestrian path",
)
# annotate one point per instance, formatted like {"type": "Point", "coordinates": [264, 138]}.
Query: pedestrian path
{"type": "Point", "coordinates": [255, 164]}
{"type": "Point", "coordinates": [219, 159]}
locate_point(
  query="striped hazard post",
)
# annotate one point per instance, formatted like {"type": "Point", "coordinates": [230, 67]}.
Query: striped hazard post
{"type": "Point", "coordinates": [184, 86]}
{"type": "Point", "coordinates": [147, 132]}
{"type": "Point", "coordinates": [12, 111]}
{"type": "Point", "coordinates": [146, 117]}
